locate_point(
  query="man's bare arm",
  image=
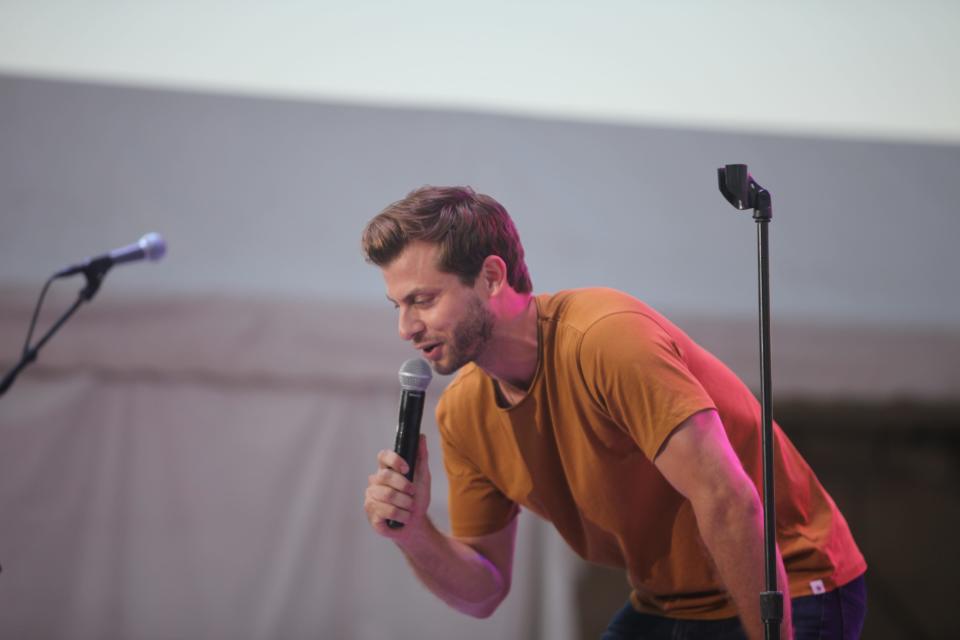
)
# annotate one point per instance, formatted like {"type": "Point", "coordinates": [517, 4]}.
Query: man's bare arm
{"type": "Point", "coordinates": [472, 575]}
{"type": "Point", "coordinates": [699, 462]}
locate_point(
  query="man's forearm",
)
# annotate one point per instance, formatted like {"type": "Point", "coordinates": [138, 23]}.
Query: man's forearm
{"type": "Point", "coordinates": [454, 571]}
{"type": "Point", "coordinates": [733, 533]}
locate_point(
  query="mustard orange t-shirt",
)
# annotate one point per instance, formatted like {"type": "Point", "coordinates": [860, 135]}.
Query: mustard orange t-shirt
{"type": "Point", "coordinates": [614, 379]}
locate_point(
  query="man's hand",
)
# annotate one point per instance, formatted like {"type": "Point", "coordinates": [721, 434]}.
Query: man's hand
{"type": "Point", "coordinates": [472, 575]}
{"type": "Point", "coordinates": [390, 496]}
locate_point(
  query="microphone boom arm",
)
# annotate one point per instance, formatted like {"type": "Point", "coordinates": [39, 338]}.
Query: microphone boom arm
{"type": "Point", "coordinates": [30, 353]}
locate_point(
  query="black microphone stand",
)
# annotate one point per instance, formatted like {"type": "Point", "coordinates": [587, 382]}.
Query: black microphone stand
{"type": "Point", "coordinates": [94, 274]}
{"type": "Point", "coordinates": [743, 192]}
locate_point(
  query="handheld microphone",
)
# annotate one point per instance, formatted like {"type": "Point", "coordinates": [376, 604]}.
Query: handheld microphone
{"type": "Point", "coordinates": [415, 377]}
{"type": "Point", "coordinates": [150, 247]}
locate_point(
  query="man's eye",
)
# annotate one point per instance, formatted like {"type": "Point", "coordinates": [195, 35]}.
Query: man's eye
{"type": "Point", "coordinates": [423, 302]}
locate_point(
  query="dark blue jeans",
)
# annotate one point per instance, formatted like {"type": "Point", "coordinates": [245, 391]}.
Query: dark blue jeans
{"type": "Point", "coordinates": [836, 615]}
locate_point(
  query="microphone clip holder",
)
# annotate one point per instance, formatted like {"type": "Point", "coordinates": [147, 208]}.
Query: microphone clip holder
{"type": "Point", "coordinates": [743, 192]}
{"type": "Point", "coordinates": [94, 272]}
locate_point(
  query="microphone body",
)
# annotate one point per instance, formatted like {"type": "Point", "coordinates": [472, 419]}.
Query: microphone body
{"type": "Point", "coordinates": [415, 376]}
{"type": "Point", "coordinates": [149, 247]}
{"type": "Point", "coordinates": [408, 428]}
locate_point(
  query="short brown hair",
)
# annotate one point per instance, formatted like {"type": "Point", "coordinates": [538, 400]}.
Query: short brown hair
{"type": "Point", "coordinates": [468, 227]}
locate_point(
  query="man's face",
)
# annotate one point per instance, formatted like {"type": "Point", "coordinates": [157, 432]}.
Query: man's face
{"type": "Point", "coordinates": [446, 320]}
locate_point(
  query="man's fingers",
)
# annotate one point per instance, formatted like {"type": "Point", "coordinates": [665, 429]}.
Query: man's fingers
{"type": "Point", "coordinates": [392, 497]}
{"type": "Point", "coordinates": [422, 448]}
{"type": "Point", "coordinates": [381, 526]}
{"type": "Point", "coordinates": [392, 479]}
{"type": "Point", "coordinates": [392, 460]}
{"type": "Point", "coordinates": [379, 512]}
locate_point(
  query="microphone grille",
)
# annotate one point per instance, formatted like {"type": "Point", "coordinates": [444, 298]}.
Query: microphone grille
{"type": "Point", "coordinates": [415, 375]}
{"type": "Point", "coordinates": [153, 246]}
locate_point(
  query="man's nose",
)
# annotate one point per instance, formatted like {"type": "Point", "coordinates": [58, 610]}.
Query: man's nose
{"type": "Point", "coordinates": [409, 325]}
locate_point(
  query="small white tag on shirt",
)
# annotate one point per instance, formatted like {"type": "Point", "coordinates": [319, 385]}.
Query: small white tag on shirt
{"type": "Point", "coordinates": [817, 587]}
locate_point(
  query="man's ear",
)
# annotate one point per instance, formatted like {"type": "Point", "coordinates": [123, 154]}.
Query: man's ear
{"type": "Point", "coordinates": [493, 274]}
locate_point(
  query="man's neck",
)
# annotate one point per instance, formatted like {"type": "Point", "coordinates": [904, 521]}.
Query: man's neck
{"type": "Point", "coordinates": [511, 355]}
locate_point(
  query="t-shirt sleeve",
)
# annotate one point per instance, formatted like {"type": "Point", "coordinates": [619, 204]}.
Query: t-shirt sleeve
{"type": "Point", "coordinates": [477, 506]}
{"type": "Point", "coordinates": [636, 372]}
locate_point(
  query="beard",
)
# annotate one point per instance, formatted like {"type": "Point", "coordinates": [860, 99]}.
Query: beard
{"type": "Point", "coordinates": [469, 338]}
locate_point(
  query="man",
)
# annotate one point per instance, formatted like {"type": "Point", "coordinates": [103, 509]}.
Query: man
{"type": "Point", "coordinates": [595, 412]}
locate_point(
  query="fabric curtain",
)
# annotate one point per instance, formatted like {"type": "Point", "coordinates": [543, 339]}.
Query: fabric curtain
{"type": "Point", "coordinates": [195, 468]}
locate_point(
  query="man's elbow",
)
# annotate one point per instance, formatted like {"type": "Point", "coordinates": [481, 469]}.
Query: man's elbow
{"type": "Point", "coordinates": [731, 505]}
{"type": "Point", "coordinates": [487, 608]}
{"type": "Point", "coordinates": [481, 614]}
{"type": "Point", "coordinates": [746, 500]}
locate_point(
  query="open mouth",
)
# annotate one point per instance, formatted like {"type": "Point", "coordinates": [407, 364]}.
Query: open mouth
{"type": "Point", "coordinates": [430, 348]}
